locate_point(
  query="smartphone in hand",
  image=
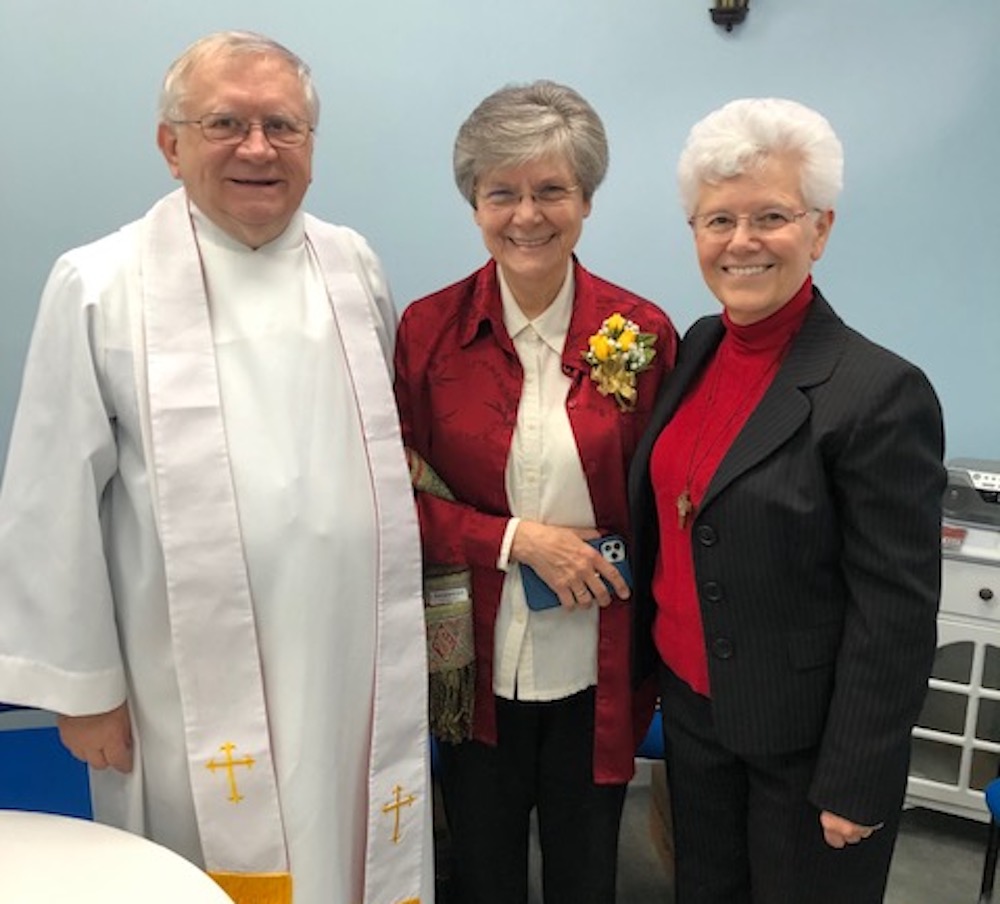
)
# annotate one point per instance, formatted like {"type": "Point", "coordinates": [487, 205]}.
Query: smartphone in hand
{"type": "Point", "coordinates": [540, 595]}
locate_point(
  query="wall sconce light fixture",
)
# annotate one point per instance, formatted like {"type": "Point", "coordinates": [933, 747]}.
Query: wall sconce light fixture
{"type": "Point", "coordinates": [729, 12]}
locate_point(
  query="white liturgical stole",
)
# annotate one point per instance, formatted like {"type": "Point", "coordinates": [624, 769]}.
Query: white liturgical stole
{"type": "Point", "coordinates": [233, 777]}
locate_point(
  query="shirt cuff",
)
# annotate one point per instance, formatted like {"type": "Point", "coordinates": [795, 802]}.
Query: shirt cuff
{"type": "Point", "coordinates": [503, 560]}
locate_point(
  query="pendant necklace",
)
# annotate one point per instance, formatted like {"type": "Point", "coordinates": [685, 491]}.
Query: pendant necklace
{"type": "Point", "coordinates": [685, 506]}
{"type": "Point", "coordinates": [684, 503]}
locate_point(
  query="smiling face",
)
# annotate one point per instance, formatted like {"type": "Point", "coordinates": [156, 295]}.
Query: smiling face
{"type": "Point", "coordinates": [532, 239]}
{"type": "Point", "coordinates": [753, 272]}
{"type": "Point", "coordinates": [250, 190]}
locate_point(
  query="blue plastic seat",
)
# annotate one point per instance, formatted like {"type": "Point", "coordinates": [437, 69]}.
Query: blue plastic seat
{"type": "Point", "coordinates": [992, 841]}
{"type": "Point", "coordinates": [651, 747]}
{"type": "Point", "coordinates": [38, 774]}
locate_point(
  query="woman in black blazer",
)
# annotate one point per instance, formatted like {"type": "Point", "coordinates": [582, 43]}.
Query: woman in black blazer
{"type": "Point", "coordinates": [786, 502]}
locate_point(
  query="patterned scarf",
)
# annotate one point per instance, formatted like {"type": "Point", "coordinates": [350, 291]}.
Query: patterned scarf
{"type": "Point", "coordinates": [448, 619]}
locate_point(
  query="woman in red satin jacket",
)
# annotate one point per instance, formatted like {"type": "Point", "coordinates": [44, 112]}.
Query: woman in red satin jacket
{"type": "Point", "coordinates": [526, 387]}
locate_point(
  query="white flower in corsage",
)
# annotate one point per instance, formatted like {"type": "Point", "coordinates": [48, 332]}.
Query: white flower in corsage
{"type": "Point", "coordinates": [616, 353]}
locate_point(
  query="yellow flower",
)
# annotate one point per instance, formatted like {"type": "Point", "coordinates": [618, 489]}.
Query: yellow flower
{"type": "Point", "coordinates": [616, 353]}
{"type": "Point", "coordinates": [600, 347]}
{"type": "Point", "coordinates": [614, 324]}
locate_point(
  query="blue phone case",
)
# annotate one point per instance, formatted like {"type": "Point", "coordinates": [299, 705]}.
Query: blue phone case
{"type": "Point", "coordinates": [540, 595]}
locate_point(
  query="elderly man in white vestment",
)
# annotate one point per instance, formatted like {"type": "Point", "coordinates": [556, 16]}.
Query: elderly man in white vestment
{"type": "Point", "coordinates": [209, 559]}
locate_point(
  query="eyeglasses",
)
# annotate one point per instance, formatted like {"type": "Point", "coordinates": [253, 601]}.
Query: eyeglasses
{"type": "Point", "coordinates": [223, 128]}
{"type": "Point", "coordinates": [508, 199]}
{"type": "Point", "coordinates": [721, 223]}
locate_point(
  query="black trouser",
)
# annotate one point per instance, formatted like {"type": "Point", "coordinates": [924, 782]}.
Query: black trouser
{"type": "Point", "coordinates": [543, 760]}
{"type": "Point", "coordinates": [744, 830]}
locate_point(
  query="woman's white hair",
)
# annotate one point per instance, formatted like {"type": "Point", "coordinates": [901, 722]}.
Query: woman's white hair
{"type": "Point", "coordinates": [741, 135]}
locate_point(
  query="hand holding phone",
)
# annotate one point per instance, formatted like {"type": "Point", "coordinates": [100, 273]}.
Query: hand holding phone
{"type": "Point", "coordinates": [540, 595]}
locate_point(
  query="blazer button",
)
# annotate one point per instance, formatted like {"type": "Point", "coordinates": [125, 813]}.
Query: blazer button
{"type": "Point", "coordinates": [712, 591]}
{"type": "Point", "coordinates": [706, 535]}
{"type": "Point", "coordinates": [722, 648]}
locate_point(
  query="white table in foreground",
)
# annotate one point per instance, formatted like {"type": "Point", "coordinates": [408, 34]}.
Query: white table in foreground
{"type": "Point", "coordinates": [46, 859]}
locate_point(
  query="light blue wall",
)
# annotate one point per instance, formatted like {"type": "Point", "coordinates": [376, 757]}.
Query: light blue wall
{"type": "Point", "coordinates": [910, 85]}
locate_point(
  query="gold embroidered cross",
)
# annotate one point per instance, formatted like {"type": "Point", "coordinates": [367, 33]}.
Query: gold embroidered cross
{"type": "Point", "coordinates": [395, 807]}
{"type": "Point", "coordinates": [230, 764]}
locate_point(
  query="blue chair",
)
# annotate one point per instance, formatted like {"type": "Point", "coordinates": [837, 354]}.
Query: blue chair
{"type": "Point", "coordinates": [651, 747]}
{"type": "Point", "coordinates": [37, 773]}
{"type": "Point", "coordinates": [992, 842]}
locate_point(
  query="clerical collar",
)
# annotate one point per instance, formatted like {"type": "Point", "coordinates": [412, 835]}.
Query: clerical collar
{"type": "Point", "coordinates": [775, 329]}
{"type": "Point", "coordinates": [206, 230]}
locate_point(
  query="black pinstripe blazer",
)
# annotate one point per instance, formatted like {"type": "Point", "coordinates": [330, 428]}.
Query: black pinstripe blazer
{"type": "Point", "coordinates": [817, 558]}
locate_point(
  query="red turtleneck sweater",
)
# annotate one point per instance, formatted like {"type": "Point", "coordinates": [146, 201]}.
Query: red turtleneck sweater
{"type": "Point", "coordinates": [687, 454]}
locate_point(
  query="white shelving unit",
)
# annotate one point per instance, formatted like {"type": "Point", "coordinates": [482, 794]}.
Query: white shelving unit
{"type": "Point", "coordinates": [956, 743]}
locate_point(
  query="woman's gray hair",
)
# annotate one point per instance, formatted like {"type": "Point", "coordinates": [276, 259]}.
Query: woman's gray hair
{"type": "Point", "coordinates": [232, 44]}
{"type": "Point", "coordinates": [740, 136]}
{"type": "Point", "coordinates": [522, 123]}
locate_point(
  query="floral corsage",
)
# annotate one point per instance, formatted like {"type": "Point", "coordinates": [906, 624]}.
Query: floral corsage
{"type": "Point", "coordinates": [616, 353]}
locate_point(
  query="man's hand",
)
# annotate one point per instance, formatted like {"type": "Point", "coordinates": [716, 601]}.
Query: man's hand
{"type": "Point", "coordinates": [839, 832]}
{"type": "Point", "coordinates": [100, 741]}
